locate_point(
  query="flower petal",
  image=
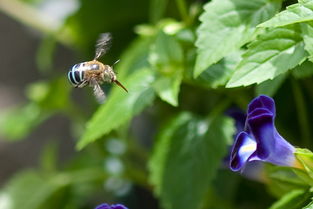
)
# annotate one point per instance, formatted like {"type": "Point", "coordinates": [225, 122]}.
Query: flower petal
{"type": "Point", "coordinates": [243, 148]}
{"type": "Point", "coordinates": [261, 124]}
{"type": "Point", "coordinates": [262, 101]}
{"type": "Point", "coordinates": [107, 206]}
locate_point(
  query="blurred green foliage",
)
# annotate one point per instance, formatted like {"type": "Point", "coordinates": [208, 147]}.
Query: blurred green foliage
{"type": "Point", "coordinates": [180, 61]}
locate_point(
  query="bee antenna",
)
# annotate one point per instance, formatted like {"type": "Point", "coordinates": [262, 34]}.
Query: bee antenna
{"type": "Point", "coordinates": [121, 85]}
{"type": "Point", "coordinates": [117, 61]}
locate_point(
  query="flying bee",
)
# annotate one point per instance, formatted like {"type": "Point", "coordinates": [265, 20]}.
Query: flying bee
{"type": "Point", "coordinates": [95, 73]}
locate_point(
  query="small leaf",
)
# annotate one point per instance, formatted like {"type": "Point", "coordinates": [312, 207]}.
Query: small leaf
{"type": "Point", "coordinates": [305, 157]}
{"type": "Point", "coordinates": [296, 13]}
{"type": "Point", "coordinates": [120, 106]}
{"type": "Point", "coordinates": [270, 87]}
{"type": "Point", "coordinates": [166, 57]}
{"type": "Point", "coordinates": [226, 25]}
{"type": "Point", "coordinates": [293, 200]}
{"type": "Point", "coordinates": [273, 53]}
{"type": "Point", "coordinates": [283, 179]}
{"type": "Point", "coordinates": [168, 87]}
{"type": "Point", "coordinates": [186, 158]}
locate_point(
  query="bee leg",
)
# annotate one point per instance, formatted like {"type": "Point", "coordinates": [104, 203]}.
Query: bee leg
{"type": "Point", "coordinates": [83, 84]}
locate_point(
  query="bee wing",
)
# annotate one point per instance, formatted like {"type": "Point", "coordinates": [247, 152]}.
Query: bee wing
{"type": "Point", "coordinates": [98, 92]}
{"type": "Point", "coordinates": [103, 44]}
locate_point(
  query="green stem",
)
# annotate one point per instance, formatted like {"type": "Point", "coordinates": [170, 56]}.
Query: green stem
{"type": "Point", "coordinates": [182, 8]}
{"type": "Point", "coordinates": [302, 113]}
{"type": "Point", "coordinates": [219, 108]}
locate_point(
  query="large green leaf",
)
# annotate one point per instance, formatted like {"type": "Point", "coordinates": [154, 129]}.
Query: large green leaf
{"type": "Point", "coordinates": [228, 24]}
{"type": "Point", "coordinates": [296, 13]}
{"type": "Point", "coordinates": [272, 54]}
{"type": "Point", "coordinates": [166, 57]}
{"type": "Point", "coordinates": [120, 106]}
{"type": "Point", "coordinates": [186, 157]}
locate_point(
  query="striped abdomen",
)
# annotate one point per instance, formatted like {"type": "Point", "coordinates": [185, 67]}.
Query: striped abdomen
{"type": "Point", "coordinates": [76, 74]}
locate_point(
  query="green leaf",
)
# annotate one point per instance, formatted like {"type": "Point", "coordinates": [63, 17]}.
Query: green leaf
{"type": "Point", "coordinates": [270, 87]}
{"type": "Point", "coordinates": [134, 58]}
{"type": "Point", "coordinates": [296, 13]}
{"type": "Point", "coordinates": [283, 179]}
{"type": "Point", "coordinates": [166, 57]}
{"type": "Point", "coordinates": [226, 25]}
{"type": "Point", "coordinates": [293, 200]}
{"type": "Point", "coordinates": [307, 34]}
{"type": "Point", "coordinates": [305, 157]}
{"type": "Point", "coordinates": [35, 190]}
{"type": "Point", "coordinates": [309, 206]}
{"type": "Point", "coordinates": [273, 53]}
{"type": "Point", "coordinates": [29, 190]}
{"type": "Point", "coordinates": [17, 123]}
{"type": "Point", "coordinates": [168, 87]}
{"type": "Point", "coordinates": [218, 74]}
{"type": "Point", "coordinates": [304, 70]}
{"type": "Point", "coordinates": [186, 157]}
{"type": "Point", "coordinates": [120, 106]}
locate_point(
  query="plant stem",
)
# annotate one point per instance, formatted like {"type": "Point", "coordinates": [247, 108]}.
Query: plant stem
{"type": "Point", "coordinates": [182, 8]}
{"type": "Point", "coordinates": [302, 113]}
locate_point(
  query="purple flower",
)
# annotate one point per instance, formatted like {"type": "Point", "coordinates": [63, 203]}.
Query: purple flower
{"type": "Point", "coordinates": [260, 141]}
{"type": "Point", "coordinates": [107, 206]}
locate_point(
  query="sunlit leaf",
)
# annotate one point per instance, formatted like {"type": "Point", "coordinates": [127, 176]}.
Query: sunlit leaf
{"type": "Point", "coordinates": [228, 24]}
{"type": "Point", "coordinates": [296, 13]}
{"type": "Point", "coordinates": [185, 159]}
{"type": "Point", "coordinates": [309, 206]}
{"type": "Point", "coordinates": [273, 53]}
{"type": "Point", "coordinates": [307, 33]}
{"type": "Point", "coordinates": [120, 106]}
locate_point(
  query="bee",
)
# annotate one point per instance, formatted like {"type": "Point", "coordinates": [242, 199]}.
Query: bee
{"type": "Point", "coordinates": [94, 73]}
